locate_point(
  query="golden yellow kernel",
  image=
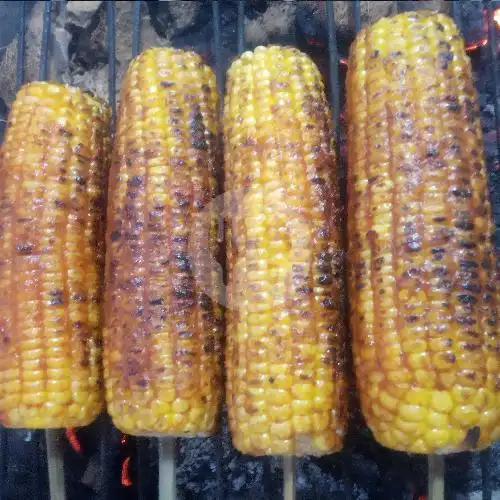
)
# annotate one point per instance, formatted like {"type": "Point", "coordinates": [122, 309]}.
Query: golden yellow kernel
{"type": "Point", "coordinates": [441, 401]}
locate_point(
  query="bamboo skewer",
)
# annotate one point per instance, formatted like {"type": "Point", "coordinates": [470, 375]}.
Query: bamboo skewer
{"type": "Point", "coordinates": [289, 478]}
{"type": "Point", "coordinates": [167, 488]}
{"type": "Point", "coordinates": [435, 477]}
{"type": "Point", "coordinates": [55, 464]}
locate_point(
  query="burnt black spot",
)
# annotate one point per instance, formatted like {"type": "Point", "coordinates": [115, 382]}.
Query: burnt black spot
{"type": "Point", "coordinates": [80, 180]}
{"type": "Point", "coordinates": [440, 271]}
{"type": "Point", "coordinates": [471, 347]}
{"type": "Point", "coordinates": [412, 318]}
{"type": "Point", "coordinates": [413, 243]}
{"type": "Point", "coordinates": [198, 204]}
{"type": "Point", "coordinates": [182, 261]}
{"type": "Point", "coordinates": [375, 53]}
{"type": "Point", "coordinates": [328, 303]}
{"type": "Point", "coordinates": [324, 279]}
{"type": "Point", "coordinates": [467, 244]}
{"type": "Point", "coordinates": [56, 301]}
{"type": "Point", "coordinates": [445, 58]}
{"type": "Point", "coordinates": [137, 281]}
{"type": "Point", "coordinates": [65, 132]}
{"type": "Point", "coordinates": [468, 264]}
{"type": "Point", "coordinates": [197, 129]}
{"type": "Point", "coordinates": [60, 203]}
{"type": "Point", "coordinates": [431, 152]}
{"type": "Point", "coordinates": [135, 181]}
{"type": "Point", "coordinates": [472, 438]}
{"type": "Point", "coordinates": [24, 248]}
{"type": "Point", "coordinates": [182, 293]}
{"type": "Point", "coordinates": [319, 181]}
{"type": "Point", "coordinates": [396, 53]}
{"type": "Point", "coordinates": [209, 345]}
{"type": "Point", "coordinates": [444, 285]}
{"type": "Point", "coordinates": [156, 301]}
{"type": "Point", "coordinates": [205, 301]}
{"type": "Point", "coordinates": [439, 219]}
{"type": "Point", "coordinates": [467, 299]}
{"type": "Point", "coordinates": [115, 235]}
{"type": "Point", "coordinates": [465, 320]}
{"type": "Point", "coordinates": [470, 287]}
{"type": "Point", "coordinates": [166, 84]}
{"type": "Point", "coordinates": [79, 298]}
{"type": "Point", "coordinates": [464, 225]}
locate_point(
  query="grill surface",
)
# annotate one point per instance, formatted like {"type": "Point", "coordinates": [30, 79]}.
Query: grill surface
{"type": "Point", "coordinates": [344, 467]}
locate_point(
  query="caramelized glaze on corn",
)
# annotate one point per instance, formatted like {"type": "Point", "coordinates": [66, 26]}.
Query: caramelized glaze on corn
{"type": "Point", "coordinates": [423, 285]}
{"type": "Point", "coordinates": [53, 174]}
{"type": "Point", "coordinates": [163, 322]}
{"type": "Point", "coordinates": [286, 389]}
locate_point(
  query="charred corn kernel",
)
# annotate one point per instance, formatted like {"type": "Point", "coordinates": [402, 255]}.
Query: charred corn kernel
{"type": "Point", "coordinates": [53, 175]}
{"type": "Point", "coordinates": [163, 320]}
{"type": "Point", "coordinates": [286, 386]}
{"type": "Point", "coordinates": [421, 264]}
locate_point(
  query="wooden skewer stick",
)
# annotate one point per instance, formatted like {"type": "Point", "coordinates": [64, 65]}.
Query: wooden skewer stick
{"type": "Point", "coordinates": [435, 477]}
{"type": "Point", "coordinates": [55, 464]}
{"type": "Point", "coordinates": [167, 488]}
{"type": "Point", "coordinates": [289, 478]}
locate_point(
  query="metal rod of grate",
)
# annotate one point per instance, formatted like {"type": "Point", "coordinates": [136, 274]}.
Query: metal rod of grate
{"type": "Point", "coordinates": [54, 454]}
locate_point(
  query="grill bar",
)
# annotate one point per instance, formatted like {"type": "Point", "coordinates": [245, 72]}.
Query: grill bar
{"type": "Point", "coordinates": [334, 90]}
{"type": "Point", "coordinates": [217, 47]}
{"type": "Point", "coordinates": [357, 15]}
{"type": "Point", "coordinates": [110, 12]}
{"type": "Point", "coordinates": [456, 11]}
{"type": "Point", "coordinates": [333, 58]}
{"type": "Point", "coordinates": [220, 77]}
{"type": "Point", "coordinates": [3, 461]}
{"type": "Point", "coordinates": [44, 56]}
{"type": "Point", "coordinates": [485, 460]}
{"type": "Point", "coordinates": [136, 28]}
{"type": "Point", "coordinates": [492, 60]}
{"type": "Point", "coordinates": [21, 43]}
{"type": "Point", "coordinates": [240, 29]}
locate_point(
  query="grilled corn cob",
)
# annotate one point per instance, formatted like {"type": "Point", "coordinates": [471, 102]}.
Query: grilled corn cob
{"type": "Point", "coordinates": [423, 283]}
{"type": "Point", "coordinates": [163, 322]}
{"type": "Point", "coordinates": [286, 389]}
{"type": "Point", "coordinates": [53, 172]}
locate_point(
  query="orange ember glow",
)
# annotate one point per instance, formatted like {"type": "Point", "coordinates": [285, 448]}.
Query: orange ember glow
{"type": "Point", "coordinates": [123, 439]}
{"type": "Point", "coordinates": [126, 481]}
{"type": "Point", "coordinates": [476, 45]}
{"type": "Point", "coordinates": [73, 439]}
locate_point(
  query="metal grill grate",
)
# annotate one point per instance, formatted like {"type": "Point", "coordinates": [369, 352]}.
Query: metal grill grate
{"type": "Point", "coordinates": [108, 435]}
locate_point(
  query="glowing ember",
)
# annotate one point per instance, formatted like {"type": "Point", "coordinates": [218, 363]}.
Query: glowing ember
{"type": "Point", "coordinates": [123, 440]}
{"type": "Point", "coordinates": [73, 439]}
{"type": "Point", "coordinates": [126, 481]}
{"type": "Point", "coordinates": [476, 45]}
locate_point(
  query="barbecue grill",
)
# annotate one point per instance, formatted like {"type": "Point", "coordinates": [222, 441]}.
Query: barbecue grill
{"type": "Point", "coordinates": [100, 462]}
